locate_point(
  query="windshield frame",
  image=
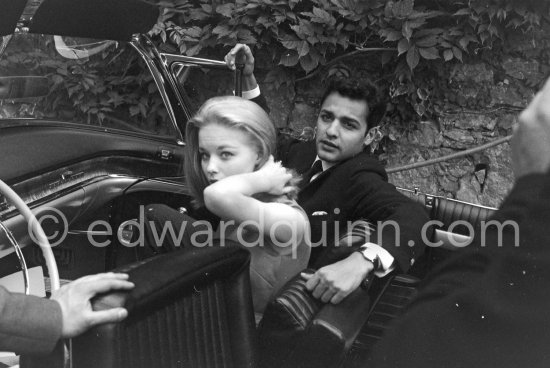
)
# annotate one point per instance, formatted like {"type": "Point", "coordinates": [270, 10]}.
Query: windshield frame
{"type": "Point", "coordinates": [17, 66]}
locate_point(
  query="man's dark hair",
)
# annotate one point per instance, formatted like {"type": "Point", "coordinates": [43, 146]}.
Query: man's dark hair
{"type": "Point", "coordinates": [353, 89]}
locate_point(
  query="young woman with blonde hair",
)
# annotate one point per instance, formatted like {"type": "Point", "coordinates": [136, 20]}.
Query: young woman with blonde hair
{"type": "Point", "coordinates": [229, 169]}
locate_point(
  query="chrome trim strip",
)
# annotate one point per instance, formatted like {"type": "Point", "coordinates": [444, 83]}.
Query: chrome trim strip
{"type": "Point", "coordinates": [168, 59]}
{"type": "Point", "coordinates": [19, 253]}
{"type": "Point", "coordinates": [28, 13]}
{"type": "Point", "coordinates": [416, 192]}
{"type": "Point", "coordinates": [448, 239]}
{"type": "Point", "coordinates": [159, 81]}
{"type": "Point", "coordinates": [10, 211]}
{"type": "Point", "coordinates": [94, 192]}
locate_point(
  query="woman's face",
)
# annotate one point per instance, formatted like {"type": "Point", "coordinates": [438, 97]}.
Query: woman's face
{"type": "Point", "coordinates": [225, 151]}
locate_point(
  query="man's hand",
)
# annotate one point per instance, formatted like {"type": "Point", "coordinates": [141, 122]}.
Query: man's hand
{"type": "Point", "coordinates": [336, 281]}
{"type": "Point", "coordinates": [249, 81]}
{"type": "Point", "coordinates": [531, 140]}
{"type": "Point", "coordinates": [248, 58]}
{"type": "Point", "coordinates": [74, 299]}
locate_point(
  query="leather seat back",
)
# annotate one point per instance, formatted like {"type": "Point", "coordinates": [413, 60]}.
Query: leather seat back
{"type": "Point", "coordinates": [457, 221]}
{"type": "Point", "coordinates": [190, 308]}
{"type": "Point", "coordinates": [450, 211]}
{"type": "Point", "coordinates": [299, 331]}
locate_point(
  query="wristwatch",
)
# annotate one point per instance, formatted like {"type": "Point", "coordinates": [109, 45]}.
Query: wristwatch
{"type": "Point", "coordinates": [370, 255]}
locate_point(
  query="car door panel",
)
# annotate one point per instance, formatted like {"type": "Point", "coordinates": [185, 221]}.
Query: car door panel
{"type": "Point", "coordinates": [32, 150]}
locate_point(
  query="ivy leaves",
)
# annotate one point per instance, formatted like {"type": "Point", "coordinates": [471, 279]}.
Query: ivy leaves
{"type": "Point", "coordinates": [304, 34]}
{"type": "Point", "coordinates": [113, 83]}
{"type": "Point", "coordinates": [412, 31]}
{"type": "Point", "coordinates": [306, 38]}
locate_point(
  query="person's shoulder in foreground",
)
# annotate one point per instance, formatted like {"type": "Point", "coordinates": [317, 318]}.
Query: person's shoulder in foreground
{"type": "Point", "coordinates": [488, 307]}
{"type": "Point", "coordinates": [28, 324]}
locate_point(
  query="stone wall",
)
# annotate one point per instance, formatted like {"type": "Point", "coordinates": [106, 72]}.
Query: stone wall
{"type": "Point", "coordinates": [482, 101]}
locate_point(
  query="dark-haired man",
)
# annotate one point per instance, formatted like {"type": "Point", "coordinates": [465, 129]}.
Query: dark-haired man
{"type": "Point", "coordinates": [351, 186]}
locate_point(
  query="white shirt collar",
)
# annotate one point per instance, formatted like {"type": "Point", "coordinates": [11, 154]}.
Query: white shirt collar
{"type": "Point", "coordinates": [324, 164]}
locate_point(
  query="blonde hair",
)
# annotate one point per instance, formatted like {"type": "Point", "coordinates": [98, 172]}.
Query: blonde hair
{"type": "Point", "coordinates": [233, 112]}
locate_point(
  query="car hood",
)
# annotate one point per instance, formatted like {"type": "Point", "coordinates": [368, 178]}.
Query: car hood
{"type": "Point", "coordinates": [100, 19]}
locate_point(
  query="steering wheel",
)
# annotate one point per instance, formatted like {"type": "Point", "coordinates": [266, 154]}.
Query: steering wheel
{"type": "Point", "coordinates": [40, 236]}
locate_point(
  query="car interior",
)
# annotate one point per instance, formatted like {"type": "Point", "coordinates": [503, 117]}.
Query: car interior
{"type": "Point", "coordinates": [89, 181]}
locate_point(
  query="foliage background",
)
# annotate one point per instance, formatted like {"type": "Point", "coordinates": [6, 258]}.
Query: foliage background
{"type": "Point", "coordinates": [413, 42]}
{"type": "Point", "coordinates": [110, 88]}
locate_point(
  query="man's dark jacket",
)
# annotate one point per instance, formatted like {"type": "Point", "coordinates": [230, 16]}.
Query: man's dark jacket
{"type": "Point", "coordinates": [355, 189]}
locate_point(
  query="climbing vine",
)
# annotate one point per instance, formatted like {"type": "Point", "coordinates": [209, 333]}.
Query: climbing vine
{"type": "Point", "coordinates": [413, 41]}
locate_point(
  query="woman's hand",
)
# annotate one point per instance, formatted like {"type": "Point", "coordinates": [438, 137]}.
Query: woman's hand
{"type": "Point", "coordinates": [233, 198]}
{"type": "Point", "coordinates": [274, 177]}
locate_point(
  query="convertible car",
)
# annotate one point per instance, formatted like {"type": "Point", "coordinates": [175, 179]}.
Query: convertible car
{"type": "Point", "coordinates": [92, 116]}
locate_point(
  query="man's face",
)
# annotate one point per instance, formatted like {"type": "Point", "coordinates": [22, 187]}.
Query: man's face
{"type": "Point", "coordinates": [341, 128]}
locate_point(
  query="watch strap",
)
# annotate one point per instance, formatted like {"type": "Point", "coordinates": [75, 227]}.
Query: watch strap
{"type": "Point", "coordinates": [372, 256]}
